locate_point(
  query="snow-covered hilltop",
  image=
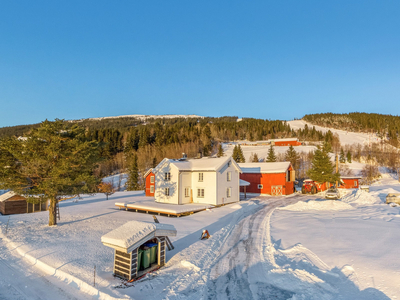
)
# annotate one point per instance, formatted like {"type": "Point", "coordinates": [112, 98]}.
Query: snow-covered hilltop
{"type": "Point", "coordinates": [145, 117]}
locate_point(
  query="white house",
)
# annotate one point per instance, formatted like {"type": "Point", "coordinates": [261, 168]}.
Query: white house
{"type": "Point", "coordinates": [205, 180]}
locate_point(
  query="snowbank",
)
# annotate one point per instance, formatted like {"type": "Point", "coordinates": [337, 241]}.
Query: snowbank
{"type": "Point", "coordinates": [360, 197]}
{"type": "Point", "coordinates": [318, 205]}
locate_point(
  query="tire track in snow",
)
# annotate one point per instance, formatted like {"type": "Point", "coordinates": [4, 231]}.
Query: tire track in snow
{"type": "Point", "coordinates": [236, 272]}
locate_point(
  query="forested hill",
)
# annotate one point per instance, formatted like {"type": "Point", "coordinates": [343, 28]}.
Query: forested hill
{"type": "Point", "coordinates": [385, 125]}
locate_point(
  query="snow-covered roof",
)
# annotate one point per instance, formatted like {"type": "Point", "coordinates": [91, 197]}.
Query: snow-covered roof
{"type": "Point", "coordinates": [243, 182]}
{"type": "Point", "coordinates": [7, 196]}
{"type": "Point", "coordinates": [134, 233]}
{"type": "Point", "coordinates": [350, 177]}
{"type": "Point", "coordinates": [265, 167]}
{"type": "Point", "coordinates": [284, 140]}
{"type": "Point", "coordinates": [148, 172]}
{"type": "Point", "coordinates": [199, 164]}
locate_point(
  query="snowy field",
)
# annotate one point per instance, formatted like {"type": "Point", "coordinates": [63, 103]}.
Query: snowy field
{"type": "Point", "coordinates": [296, 247]}
{"type": "Point", "coordinates": [346, 137]}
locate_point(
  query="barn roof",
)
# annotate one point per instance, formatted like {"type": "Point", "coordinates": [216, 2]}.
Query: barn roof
{"type": "Point", "coordinates": [284, 140]}
{"type": "Point", "coordinates": [134, 233]}
{"type": "Point", "coordinates": [7, 196]}
{"type": "Point", "coordinates": [148, 172]}
{"type": "Point", "coordinates": [265, 167]}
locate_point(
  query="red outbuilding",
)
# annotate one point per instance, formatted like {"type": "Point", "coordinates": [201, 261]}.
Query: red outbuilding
{"type": "Point", "coordinates": [273, 178]}
{"type": "Point", "coordinates": [349, 182]}
{"type": "Point", "coordinates": [150, 180]}
{"type": "Point", "coordinates": [286, 142]}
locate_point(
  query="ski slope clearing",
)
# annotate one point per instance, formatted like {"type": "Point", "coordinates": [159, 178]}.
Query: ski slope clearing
{"type": "Point", "coordinates": [256, 250]}
{"type": "Point", "coordinates": [346, 137]}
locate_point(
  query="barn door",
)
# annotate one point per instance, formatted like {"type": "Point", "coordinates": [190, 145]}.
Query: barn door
{"type": "Point", "coordinates": [276, 190]}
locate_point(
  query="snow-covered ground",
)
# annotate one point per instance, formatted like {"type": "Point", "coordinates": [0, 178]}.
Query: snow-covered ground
{"type": "Point", "coordinates": [297, 247]}
{"type": "Point", "coordinates": [346, 137]}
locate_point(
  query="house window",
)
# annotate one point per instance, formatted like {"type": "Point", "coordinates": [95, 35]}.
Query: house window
{"type": "Point", "coordinates": [166, 191]}
{"type": "Point", "coordinates": [229, 176]}
{"type": "Point", "coordinates": [355, 183]}
{"type": "Point", "coordinates": [167, 176]}
{"type": "Point", "coordinates": [152, 189]}
{"type": "Point", "coordinates": [228, 192]}
{"type": "Point", "coordinates": [260, 186]}
{"type": "Point", "coordinates": [201, 177]}
{"type": "Point", "coordinates": [229, 164]}
{"type": "Point", "coordinates": [187, 192]}
{"type": "Point", "coordinates": [200, 193]}
{"type": "Point", "coordinates": [151, 179]}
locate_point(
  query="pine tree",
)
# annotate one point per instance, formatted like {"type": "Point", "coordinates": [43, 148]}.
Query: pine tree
{"type": "Point", "coordinates": [292, 156]}
{"type": "Point", "coordinates": [132, 184]}
{"type": "Point", "coordinates": [322, 168]}
{"type": "Point", "coordinates": [348, 156]}
{"type": "Point", "coordinates": [342, 158]}
{"type": "Point", "coordinates": [235, 155]}
{"type": "Point", "coordinates": [271, 154]}
{"type": "Point", "coordinates": [220, 151]}
{"type": "Point", "coordinates": [56, 160]}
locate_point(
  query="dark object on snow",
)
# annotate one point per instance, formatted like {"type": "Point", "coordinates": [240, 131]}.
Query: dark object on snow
{"type": "Point", "coordinates": [205, 235]}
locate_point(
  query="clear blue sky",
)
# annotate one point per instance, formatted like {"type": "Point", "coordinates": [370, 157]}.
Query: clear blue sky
{"type": "Point", "coordinates": [263, 59]}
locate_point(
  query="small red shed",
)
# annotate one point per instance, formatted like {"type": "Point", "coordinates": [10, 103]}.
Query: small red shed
{"type": "Point", "coordinates": [286, 142]}
{"type": "Point", "coordinates": [273, 178]}
{"type": "Point", "coordinates": [349, 182]}
{"type": "Point", "coordinates": [150, 181]}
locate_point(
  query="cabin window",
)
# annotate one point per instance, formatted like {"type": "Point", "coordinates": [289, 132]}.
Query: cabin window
{"type": "Point", "coordinates": [201, 176]}
{"type": "Point", "coordinates": [166, 191]}
{"type": "Point", "coordinates": [229, 176]}
{"type": "Point", "coordinates": [228, 192]}
{"type": "Point", "coordinates": [229, 164]}
{"type": "Point", "coordinates": [167, 176]}
{"type": "Point", "coordinates": [152, 189]}
{"type": "Point", "coordinates": [200, 193]}
{"type": "Point", "coordinates": [151, 179]}
{"type": "Point", "coordinates": [355, 182]}
{"type": "Point", "coordinates": [260, 186]}
{"type": "Point", "coordinates": [187, 192]}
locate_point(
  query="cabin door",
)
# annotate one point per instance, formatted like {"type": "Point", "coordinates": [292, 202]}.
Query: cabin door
{"type": "Point", "coordinates": [276, 190]}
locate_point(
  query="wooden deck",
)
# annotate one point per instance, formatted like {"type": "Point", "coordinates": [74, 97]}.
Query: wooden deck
{"type": "Point", "coordinates": [164, 209]}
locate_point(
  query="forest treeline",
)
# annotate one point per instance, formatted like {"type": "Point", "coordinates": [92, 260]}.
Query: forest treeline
{"type": "Point", "coordinates": [387, 126]}
{"type": "Point", "coordinates": [154, 139]}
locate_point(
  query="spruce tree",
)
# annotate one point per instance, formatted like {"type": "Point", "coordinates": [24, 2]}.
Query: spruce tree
{"type": "Point", "coordinates": [342, 158]}
{"type": "Point", "coordinates": [220, 151]}
{"type": "Point", "coordinates": [240, 155]}
{"type": "Point", "coordinates": [348, 156]}
{"type": "Point", "coordinates": [235, 155]}
{"type": "Point", "coordinates": [132, 184]}
{"type": "Point", "coordinates": [322, 168]}
{"type": "Point", "coordinates": [271, 154]}
{"type": "Point", "coordinates": [255, 158]}
{"type": "Point", "coordinates": [292, 156]}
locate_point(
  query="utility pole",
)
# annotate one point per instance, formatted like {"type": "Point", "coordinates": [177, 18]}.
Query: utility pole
{"type": "Point", "coordinates": [337, 167]}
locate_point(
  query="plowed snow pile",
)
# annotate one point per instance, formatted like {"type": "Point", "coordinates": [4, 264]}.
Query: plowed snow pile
{"type": "Point", "coordinates": [318, 205]}
{"type": "Point", "coordinates": [361, 198]}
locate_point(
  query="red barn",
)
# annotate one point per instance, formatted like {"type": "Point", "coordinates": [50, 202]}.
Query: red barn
{"type": "Point", "coordinates": [286, 142]}
{"type": "Point", "coordinates": [150, 180]}
{"type": "Point", "coordinates": [349, 182]}
{"type": "Point", "coordinates": [274, 178]}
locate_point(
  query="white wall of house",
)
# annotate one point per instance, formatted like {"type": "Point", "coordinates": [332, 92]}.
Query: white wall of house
{"type": "Point", "coordinates": [209, 184]}
{"type": "Point", "coordinates": [161, 184]}
{"type": "Point", "coordinates": [224, 184]}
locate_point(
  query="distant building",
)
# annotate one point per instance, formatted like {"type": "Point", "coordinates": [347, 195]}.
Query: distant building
{"type": "Point", "coordinates": [285, 142]}
{"type": "Point", "coordinates": [12, 203]}
{"type": "Point", "coordinates": [273, 178]}
{"type": "Point", "coordinates": [150, 183]}
{"type": "Point", "coordinates": [349, 182]}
